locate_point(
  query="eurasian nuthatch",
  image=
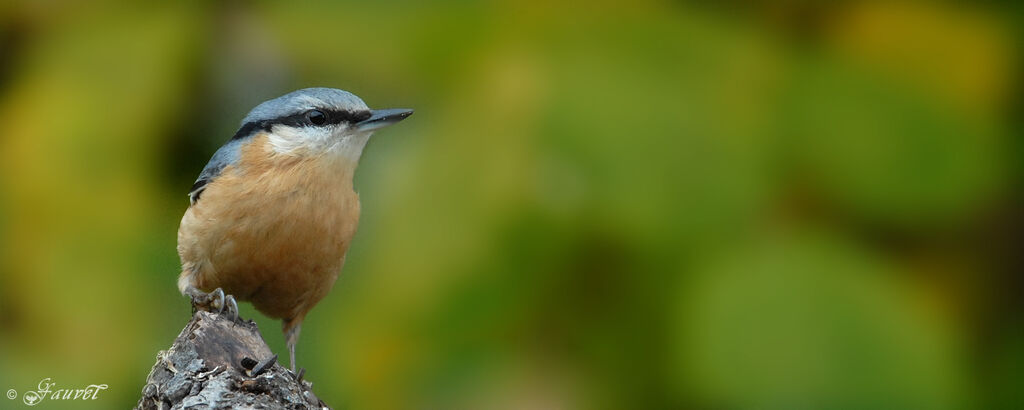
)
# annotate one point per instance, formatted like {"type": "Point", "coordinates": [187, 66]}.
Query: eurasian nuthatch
{"type": "Point", "coordinates": [273, 212]}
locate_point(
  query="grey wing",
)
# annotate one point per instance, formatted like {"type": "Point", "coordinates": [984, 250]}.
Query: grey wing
{"type": "Point", "coordinates": [226, 155]}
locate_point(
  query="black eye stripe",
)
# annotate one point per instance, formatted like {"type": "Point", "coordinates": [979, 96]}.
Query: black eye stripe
{"type": "Point", "coordinates": [301, 120]}
{"type": "Point", "coordinates": [333, 117]}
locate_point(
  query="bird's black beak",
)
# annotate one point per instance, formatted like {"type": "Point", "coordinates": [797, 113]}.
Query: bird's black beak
{"type": "Point", "coordinates": [383, 118]}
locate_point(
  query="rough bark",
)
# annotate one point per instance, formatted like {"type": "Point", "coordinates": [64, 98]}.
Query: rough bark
{"type": "Point", "coordinates": [215, 364]}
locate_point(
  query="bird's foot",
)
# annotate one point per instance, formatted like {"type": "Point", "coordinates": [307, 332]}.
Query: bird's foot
{"type": "Point", "coordinates": [298, 375]}
{"type": "Point", "coordinates": [215, 301]}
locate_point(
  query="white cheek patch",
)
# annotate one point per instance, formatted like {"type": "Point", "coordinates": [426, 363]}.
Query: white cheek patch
{"type": "Point", "coordinates": [294, 140]}
{"type": "Point", "coordinates": [336, 141]}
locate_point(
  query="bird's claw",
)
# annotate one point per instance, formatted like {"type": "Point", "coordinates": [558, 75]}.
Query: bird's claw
{"type": "Point", "coordinates": [215, 301]}
{"type": "Point", "coordinates": [230, 308]}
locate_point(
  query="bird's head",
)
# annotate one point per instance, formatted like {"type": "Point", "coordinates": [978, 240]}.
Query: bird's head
{"type": "Point", "coordinates": [318, 121]}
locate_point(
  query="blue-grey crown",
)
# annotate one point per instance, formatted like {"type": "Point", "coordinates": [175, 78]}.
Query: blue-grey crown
{"type": "Point", "coordinates": [306, 99]}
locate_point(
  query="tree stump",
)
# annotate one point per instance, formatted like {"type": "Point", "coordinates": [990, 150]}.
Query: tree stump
{"type": "Point", "coordinates": [216, 364]}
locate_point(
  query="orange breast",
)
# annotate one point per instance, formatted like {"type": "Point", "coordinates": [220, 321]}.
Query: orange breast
{"type": "Point", "coordinates": [272, 229]}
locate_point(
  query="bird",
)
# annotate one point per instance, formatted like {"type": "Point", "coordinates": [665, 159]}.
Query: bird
{"type": "Point", "coordinates": [272, 214]}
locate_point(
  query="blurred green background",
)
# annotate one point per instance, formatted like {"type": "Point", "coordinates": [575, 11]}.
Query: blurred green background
{"type": "Point", "coordinates": [598, 205]}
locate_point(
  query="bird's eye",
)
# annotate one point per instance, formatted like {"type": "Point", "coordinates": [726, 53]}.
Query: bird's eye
{"type": "Point", "coordinates": [316, 117]}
